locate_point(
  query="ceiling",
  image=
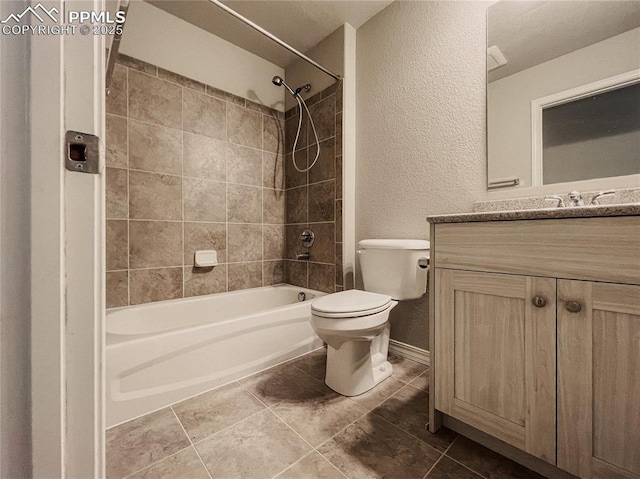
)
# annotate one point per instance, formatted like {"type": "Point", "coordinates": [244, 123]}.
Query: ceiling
{"type": "Point", "coordinates": [300, 23]}
{"type": "Point", "coordinates": [533, 32]}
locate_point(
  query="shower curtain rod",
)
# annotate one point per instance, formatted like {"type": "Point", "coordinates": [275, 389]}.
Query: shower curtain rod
{"type": "Point", "coordinates": [272, 37]}
{"type": "Point", "coordinates": [115, 46]}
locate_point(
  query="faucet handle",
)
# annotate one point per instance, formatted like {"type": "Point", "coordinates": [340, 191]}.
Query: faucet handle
{"type": "Point", "coordinates": [595, 200]}
{"type": "Point", "coordinates": [307, 237]}
{"type": "Point", "coordinates": [555, 198]}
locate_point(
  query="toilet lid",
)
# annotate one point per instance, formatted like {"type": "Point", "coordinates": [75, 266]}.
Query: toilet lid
{"type": "Point", "coordinates": [352, 301]}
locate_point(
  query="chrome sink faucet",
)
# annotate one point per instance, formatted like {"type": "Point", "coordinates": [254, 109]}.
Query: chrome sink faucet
{"type": "Point", "coordinates": [575, 199]}
{"type": "Point", "coordinates": [557, 198]}
{"type": "Point", "coordinates": [595, 199]}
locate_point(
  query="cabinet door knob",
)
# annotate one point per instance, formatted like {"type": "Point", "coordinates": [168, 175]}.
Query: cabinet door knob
{"type": "Point", "coordinates": [538, 301]}
{"type": "Point", "coordinates": [573, 306]}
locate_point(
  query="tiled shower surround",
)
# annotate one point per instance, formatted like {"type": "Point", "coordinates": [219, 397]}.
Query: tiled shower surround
{"type": "Point", "coordinates": [185, 172]}
{"type": "Point", "coordinates": [192, 167]}
{"type": "Point", "coordinates": [314, 198]}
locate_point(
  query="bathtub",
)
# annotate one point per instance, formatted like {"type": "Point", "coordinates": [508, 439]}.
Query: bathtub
{"type": "Point", "coordinates": [161, 353]}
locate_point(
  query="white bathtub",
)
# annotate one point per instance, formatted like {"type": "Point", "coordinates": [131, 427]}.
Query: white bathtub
{"type": "Point", "coordinates": [161, 353]}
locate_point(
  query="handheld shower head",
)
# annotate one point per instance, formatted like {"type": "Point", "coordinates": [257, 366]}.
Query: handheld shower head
{"type": "Point", "coordinates": [278, 81]}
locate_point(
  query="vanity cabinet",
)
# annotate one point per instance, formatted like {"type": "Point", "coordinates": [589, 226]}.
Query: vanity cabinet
{"type": "Point", "coordinates": [496, 356]}
{"type": "Point", "coordinates": [599, 379]}
{"type": "Point", "coordinates": [535, 337]}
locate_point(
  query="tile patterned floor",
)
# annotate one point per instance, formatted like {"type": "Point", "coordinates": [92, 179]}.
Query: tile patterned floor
{"type": "Point", "coordinates": [284, 423]}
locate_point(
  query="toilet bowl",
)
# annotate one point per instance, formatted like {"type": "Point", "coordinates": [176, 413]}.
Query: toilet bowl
{"type": "Point", "coordinates": [355, 324]}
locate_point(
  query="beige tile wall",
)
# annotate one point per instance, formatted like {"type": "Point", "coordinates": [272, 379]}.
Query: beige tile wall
{"type": "Point", "coordinates": [314, 198]}
{"type": "Point", "coordinates": [189, 167]}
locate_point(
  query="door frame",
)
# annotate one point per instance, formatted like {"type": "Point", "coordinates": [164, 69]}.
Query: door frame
{"type": "Point", "coordinates": [67, 254]}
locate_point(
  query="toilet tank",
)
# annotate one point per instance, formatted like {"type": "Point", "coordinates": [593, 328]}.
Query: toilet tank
{"type": "Point", "coordinates": [394, 267]}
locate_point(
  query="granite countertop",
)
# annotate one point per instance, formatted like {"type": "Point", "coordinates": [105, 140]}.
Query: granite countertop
{"type": "Point", "coordinates": [628, 209]}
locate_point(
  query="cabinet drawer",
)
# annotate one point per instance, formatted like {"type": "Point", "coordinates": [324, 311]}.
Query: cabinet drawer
{"type": "Point", "coordinates": [597, 249]}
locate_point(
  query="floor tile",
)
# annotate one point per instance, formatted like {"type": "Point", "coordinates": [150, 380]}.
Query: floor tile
{"type": "Point", "coordinates": [448, 469]}
{"type": "Point", "coordinates": [212, 411]}
{"type": "Point", "coordinates": [404, 369]}
{"type": "Point", "coordinates": [313, 466]}
{"type": "Point", "coordinates": [258, 447]}
{"type": "Point", "coordinates": [314, 364]}
{"type": "Point", "coordinates": [422, 381]}
{"type": "Point", "coordinates": [138, 443]}
{"type": "Point", "coordinates": [318, 417]}
{"type": "Point", "coordinates": [184, 465]}
{"type": "Point", "coordinates": [373, 397]}
{"type": "Point", "coordinates": [238, 438]}
{"type": "Point", "coordinates": [374, 448]}
{"type": "Point", "coordinates": [486, 462]}
{"type": "Point", "coordinates": [280, 383]}
{"type": "Point", "coordinates": [409, 410]}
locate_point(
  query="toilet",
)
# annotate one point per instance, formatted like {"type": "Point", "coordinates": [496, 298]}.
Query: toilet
{"type": "Point", "coordinates": [355, 324]}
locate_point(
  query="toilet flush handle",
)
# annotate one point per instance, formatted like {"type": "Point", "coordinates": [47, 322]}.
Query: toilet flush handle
{"type": "Point", "coordinates": [423, 263]}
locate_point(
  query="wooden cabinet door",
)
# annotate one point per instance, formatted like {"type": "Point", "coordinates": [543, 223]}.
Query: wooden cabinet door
{"type": "Point", "coordinates": [496, 356]}
{"type": "Point", "coordinates": [599, 379]}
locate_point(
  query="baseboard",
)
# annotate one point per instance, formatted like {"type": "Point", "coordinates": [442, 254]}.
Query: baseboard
{"type": "Point", "coordinates": [410, 352]}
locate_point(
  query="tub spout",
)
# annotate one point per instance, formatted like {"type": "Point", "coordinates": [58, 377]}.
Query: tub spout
{"type": "Point", "coordinates": [304, 256]}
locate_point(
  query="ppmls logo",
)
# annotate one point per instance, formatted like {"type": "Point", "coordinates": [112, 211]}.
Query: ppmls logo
{"type": "Point", "coordinates": [24, 23]}
{"type": "Point", "coordinates": [99, 23]}
{"type": "Point", "coordinates": [17, 17]}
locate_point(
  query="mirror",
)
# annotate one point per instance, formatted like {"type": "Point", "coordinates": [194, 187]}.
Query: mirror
{"type": "Point", "coordinates": [563, 91]}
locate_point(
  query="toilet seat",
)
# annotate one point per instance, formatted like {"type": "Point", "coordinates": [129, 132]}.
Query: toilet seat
{"type": "Point", "coordinates": [350, 304]}
{"type": "Point", "coordinates": [351, 314]}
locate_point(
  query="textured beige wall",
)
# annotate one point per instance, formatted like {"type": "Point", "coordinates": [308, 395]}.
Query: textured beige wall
{"type": "Point", "coordinates": [421, 125]}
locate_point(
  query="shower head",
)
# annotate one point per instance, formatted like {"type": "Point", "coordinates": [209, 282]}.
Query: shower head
{"type": "Point", "coordinates": [278, 81]}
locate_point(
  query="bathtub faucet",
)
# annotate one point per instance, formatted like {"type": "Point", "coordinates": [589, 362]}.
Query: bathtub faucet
{"type": "Point", "coordinates": [305, 256]}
